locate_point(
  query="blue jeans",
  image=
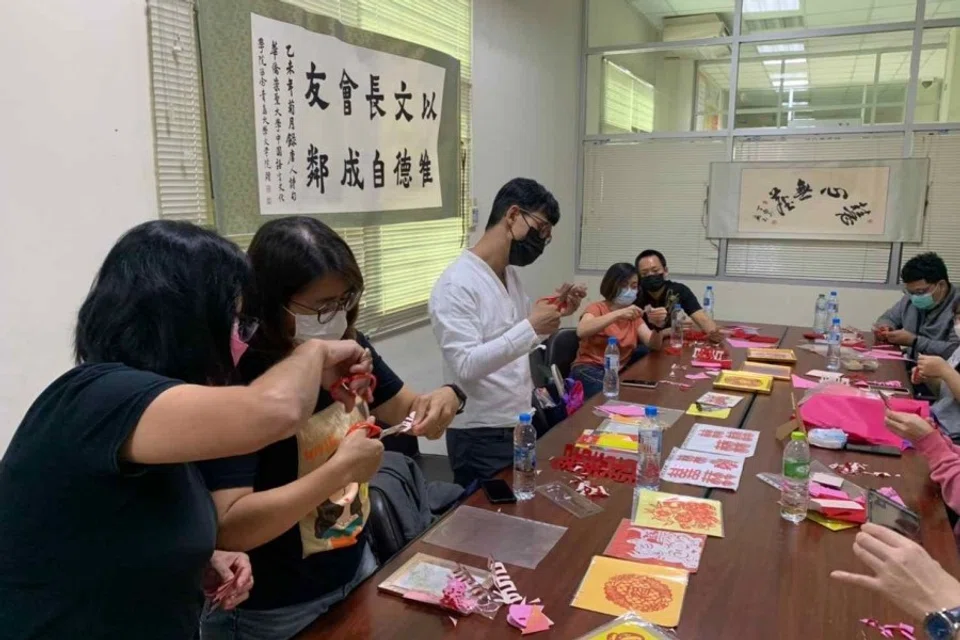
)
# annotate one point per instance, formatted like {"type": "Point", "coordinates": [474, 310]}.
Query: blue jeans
{"type": "Point", "coordinates": [590, 376]}
{"type": "Point", "coordinates": [283, 623]}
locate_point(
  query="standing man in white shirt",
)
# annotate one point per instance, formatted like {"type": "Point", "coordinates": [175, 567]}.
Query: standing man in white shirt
{"type": "Point", "coordinates": [486, 326]}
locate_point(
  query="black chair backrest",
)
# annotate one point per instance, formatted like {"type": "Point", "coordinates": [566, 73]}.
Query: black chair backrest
{"type": "Point", "coordinates": [562, 350]}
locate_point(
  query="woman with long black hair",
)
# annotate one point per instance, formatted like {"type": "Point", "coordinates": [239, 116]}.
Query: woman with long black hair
{"type": "Point", "coordinates": [306, 537]}
{"type": "Point", "coordinates": [106, 527]}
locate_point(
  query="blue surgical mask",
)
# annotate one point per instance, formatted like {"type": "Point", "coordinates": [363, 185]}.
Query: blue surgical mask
{"type": "Point", "coordinates": [626, 297]}
{"type": "Point", "coordinates": [922, 301]}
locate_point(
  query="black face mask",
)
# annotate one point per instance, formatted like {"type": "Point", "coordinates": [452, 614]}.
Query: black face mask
{"type": "Point", "coordinates": [652, 283]}
{"type": "Point", "coordinates": [525, 251]}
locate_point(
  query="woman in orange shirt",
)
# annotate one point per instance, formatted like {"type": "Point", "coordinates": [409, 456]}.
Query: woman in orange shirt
{"type": "Point", "coordinates": [613, 317]}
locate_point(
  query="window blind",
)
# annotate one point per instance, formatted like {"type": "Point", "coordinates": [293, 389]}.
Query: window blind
{"type": "Point", "coordinates": [628, 101]}
{"type": "Point", "coordinates": [180, 149]}
{"type": "Point", "coordinates": [941, 224]}
{"type": "Point", "coordinates": [400, 262]}
{"type": "Point", "coordinates": [648, 195]}
{"type": "Point", "coordinates": [812, 260]}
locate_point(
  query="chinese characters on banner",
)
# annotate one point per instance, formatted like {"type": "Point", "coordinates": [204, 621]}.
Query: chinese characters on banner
{"type": "Point", "coordinates": [723, 440]}
{"type": "Point", "coordinates": [342, 128]}
{"type": "Point", "coordinates": [848, 200]}
{"type": "Point", "coordinates": [702, 469]}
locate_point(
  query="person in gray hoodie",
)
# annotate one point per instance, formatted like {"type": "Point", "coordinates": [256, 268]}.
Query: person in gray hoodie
{"type": "Point", "coordinates": [922, 321]}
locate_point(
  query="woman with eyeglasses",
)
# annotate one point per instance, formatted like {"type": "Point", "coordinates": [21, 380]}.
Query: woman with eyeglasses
{"type": "Point", "coordinates": [305, 535]}
{"type": "Point", "coordinates": [106, 528]}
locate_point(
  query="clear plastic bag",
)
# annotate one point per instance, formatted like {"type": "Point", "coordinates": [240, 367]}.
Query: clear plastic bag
{"type": "Point", "coordinates": [629, 625]}
{"type": "Point", "coordinates": [488, 534]}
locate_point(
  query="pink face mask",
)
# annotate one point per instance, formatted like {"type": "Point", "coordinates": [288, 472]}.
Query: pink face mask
{"type": "Point", "coordinates": [237, 346]}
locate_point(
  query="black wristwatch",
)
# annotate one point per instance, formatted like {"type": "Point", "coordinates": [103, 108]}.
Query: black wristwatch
{"type": "Point", "coordinates": [943, 624]}
{"type": "Point", "coordinates": [460, 395]}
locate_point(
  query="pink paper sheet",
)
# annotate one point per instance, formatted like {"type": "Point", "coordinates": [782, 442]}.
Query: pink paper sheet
{"type": "Point", "coordinates": [883, 354]}
{"type": "Point", "coordinates": [705, 365]}
{"type": "Point", "coordinates": [630, 410]}
{"type": "Point", "coordinates": [802, 383]}
{"type": "Point", "coordinates": [744, 344]}
{"type": "Point", "coordinates": [696, 376]}
{"type": "Point", "coordinates": [817, 490]}
{"type": "Point", "coordinates": [860, 417]}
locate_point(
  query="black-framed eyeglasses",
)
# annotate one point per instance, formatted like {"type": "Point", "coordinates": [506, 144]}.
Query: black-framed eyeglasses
{"type": "Point", "coordinates": [328, 310]}
{"type": "Point", "coordinates": [246, 327]}
{"type": "Point", "coordinates": [545, 231]}
{"type": "Point", "coordinates": [929, 289]}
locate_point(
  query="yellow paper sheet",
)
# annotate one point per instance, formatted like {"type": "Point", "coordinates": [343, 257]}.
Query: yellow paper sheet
{"type": "Point", "coordinates": [616, 586]}
{"type": "Point", "coordinates": [625, 630]}
{"type": "Point", "coordinates": [719, 414]}
{"type": "Point", "coordinates": [679, 513]}
{"type": "Point", "coordinates": [830, 523]}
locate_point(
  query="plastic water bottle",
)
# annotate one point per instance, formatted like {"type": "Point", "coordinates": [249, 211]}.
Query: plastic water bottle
{"type": "Point", "coordinates": [649, 449]}
{"type": "Point", "coordinates": [708, 301]}
{"type": "Point", "coordinates": [833, 346]}
{"type": "Point", "coordinates": [833, 307]}
{"type": "Point", "coordinates": [820, 320]}
{"type": "Point", "coordinates": [611, 369]}
{"type": "Point", "coordinates": [794, 493]}
{"type": "Point", "coordinates": [676, 327]}
{"type": "Point", "coordinates": [524, 458]}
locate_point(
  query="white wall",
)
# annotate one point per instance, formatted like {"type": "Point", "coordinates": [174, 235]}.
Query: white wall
{"type": "Point", "coordinates": [777, 303]}
{"type": "Point", "coordinates": [526, 62]}
{"type": "Point", "coordinates": [76, 170]}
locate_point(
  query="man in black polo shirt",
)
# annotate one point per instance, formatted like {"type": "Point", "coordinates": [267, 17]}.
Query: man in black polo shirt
{"type": "Point", "coordinates": [656, 292]}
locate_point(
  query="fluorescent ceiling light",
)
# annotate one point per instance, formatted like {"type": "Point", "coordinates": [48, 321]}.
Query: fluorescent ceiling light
{"type": "Point", "coordinates": [787, 76]}
{"type": "Point", "coordinates": [776, 63]}
{"type": "Point", "coordinates": [787, 47]}
{"type": "Point", "coordinates": [794, 104]}
{"type": "Point", "coordinates": [790, 83]}
{"type": "Point", "coordinates": [770, 6]}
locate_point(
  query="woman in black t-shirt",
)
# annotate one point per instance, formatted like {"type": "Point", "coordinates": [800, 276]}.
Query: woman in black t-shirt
{"type": "Point", "coordinates": [106, 529]}
{"type": "Point", "coordinates": [287, 504]}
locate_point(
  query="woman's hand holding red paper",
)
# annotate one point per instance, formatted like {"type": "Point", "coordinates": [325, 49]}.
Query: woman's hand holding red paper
{"type": "Point", "coordinates": [228, 579]}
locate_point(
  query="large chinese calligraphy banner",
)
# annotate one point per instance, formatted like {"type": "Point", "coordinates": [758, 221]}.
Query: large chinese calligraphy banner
{"type": "Point", "coordinates": [806, 200]}
{"type": "Point", "coordinates": [877, 200]}
{"type": "Point", "coordinates": [308, 116]}
{"type": "Point", "coordinates": [335, 120]}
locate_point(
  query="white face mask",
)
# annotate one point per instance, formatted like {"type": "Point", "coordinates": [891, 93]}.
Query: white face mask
{"type": "Point", "coordinates": [309, 328]}
{"type": "Point", "coordinates": [626, 297]}
{"type": "Point", "coordinates": [956, 329]}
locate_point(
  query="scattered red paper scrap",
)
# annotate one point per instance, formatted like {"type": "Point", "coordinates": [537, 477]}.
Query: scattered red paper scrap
{"type": "Point", "coordinates": [887, 630]}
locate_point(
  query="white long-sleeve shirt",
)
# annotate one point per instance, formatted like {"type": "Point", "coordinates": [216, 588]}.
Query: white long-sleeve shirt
{"type": "Point", "coordinates": [485, 339]}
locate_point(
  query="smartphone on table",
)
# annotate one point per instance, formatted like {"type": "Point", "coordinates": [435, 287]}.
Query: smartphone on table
{"type": "Point", "coordinates": [498, 491]}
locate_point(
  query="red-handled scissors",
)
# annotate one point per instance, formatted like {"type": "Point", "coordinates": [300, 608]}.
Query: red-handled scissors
{"type": "Point", "coordinates": [346, 387]}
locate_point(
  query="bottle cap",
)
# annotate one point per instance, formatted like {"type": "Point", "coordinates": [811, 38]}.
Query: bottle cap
{"type": "Point", "coordinates": [709, 287]}
{"type": "Point", "coordinates": [836, 320]}
{"type": "Point", "coordinates": [650, 411]}
{"type": "Point", "coordinates": [526, 418]}
{"type": "Point", "coordinates": [798, 435]}
{"type": "Point", "coordinates": [833, 293]}
{"type": "Point", "coordinates": [611, 340]}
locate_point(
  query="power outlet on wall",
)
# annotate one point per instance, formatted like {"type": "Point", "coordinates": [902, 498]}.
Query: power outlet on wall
{"type": "Point", "coordinates": [474, 215]}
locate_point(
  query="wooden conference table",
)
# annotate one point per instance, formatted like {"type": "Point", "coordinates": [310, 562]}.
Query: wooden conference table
{"type": "Point", "coordinates": [766, 578]}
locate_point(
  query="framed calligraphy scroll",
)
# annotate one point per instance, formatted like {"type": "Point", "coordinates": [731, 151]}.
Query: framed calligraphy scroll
{"type": "Point", "coordinates": [872, 200]}
{"type": "Point", "coordinates": [308, 116]}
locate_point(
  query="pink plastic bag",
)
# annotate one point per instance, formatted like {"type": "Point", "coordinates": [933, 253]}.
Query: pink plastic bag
{"type": "Point", "coordinates": [574, 396]}
{"type": "Point", "coordinates": [857, 414]}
